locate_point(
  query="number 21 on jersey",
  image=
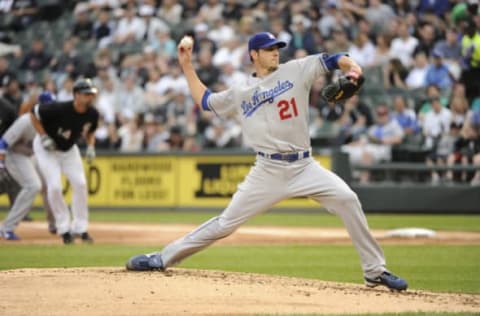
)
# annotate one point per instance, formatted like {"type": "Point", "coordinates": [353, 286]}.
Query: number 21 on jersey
{"type": "Point", "coordinates": [287, 109]}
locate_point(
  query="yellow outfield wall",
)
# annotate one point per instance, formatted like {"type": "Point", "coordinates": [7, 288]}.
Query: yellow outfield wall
{"type": "Point", "coordinates": [160, 181]}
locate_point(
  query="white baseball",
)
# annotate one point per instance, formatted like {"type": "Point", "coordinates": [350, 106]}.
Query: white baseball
{"type": "Point", "coordinates": [186, 42]}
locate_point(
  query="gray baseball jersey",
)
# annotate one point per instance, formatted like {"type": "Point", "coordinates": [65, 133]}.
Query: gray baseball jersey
{"type": "Point", "coordinates": [273, 112]}
{"type": "Point", "coordinates": [23, 170]}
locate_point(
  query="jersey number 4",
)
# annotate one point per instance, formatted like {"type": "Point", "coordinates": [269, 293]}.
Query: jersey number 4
{"type": "Point", "coordinates": [287, 110]}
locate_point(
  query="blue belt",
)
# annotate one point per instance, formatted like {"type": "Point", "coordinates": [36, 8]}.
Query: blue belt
{"type": "Point", "coordinates": [290, 157]}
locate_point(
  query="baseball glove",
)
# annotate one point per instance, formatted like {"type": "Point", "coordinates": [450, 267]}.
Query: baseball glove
{"type": "Point", "coordinates": [345, 87]}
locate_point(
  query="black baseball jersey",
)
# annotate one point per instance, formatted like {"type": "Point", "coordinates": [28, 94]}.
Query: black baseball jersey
{"type": "Point", "coordinates": [8, 114]}
{"type": "Point", "coordinates": [65, 125]}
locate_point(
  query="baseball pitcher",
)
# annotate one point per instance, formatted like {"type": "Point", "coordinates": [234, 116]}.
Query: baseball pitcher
{"type": "Point", "coordinates": [273, 110]}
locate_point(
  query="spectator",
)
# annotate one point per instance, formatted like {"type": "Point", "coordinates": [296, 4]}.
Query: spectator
{"type": "Point", "coordinates": [153, 25]}
{"type": "Point", "coordinates": [65, 92]}
{"type": "Point", "coordinates": [163, 45]}
{"type": "Point", "coordinates": [222, 134]}
{"type": "Point", "coordinates": [450, 48]}
{"type": "Point", "coordinates": [6, 74]}
{"type": "Point", "coordinates": [382, 50]}
{"type": "Point", "coordinates": [220, 33]}
{"type": "Point", "coordinates": [438, 73]}
{"type": "Point", "coordinates": [103, 29]}
{"type": "Point", "coordinates": [436, 123]}
{"type": "Point", "coordinates": [377, 145]}
{"type": "Point", "coordinates": [471, 59]}
{"type": "Point", "coordinates": [210, 11]}
{"type": "Point", "coordinates": [302, 36]}
{"type": "Point", "coordinates": [230, 76]}
{"type": "Point", "coordinates": [201, 39]}
{"type": "Point", "coordinates": [394, 74]}
{"type": "Point", "coordinates": [106, 101]}
{"type": "Point", "coordinates": [355, 121]}
{"type": "Point", "coordinates": [427, 39]}
{"type": "Point", "coordinates": [403, 46]}
{"type": "Point", "coordinates": [467, 150]}
{"type": "Point", "coordinates": [83, 25]}
{"type": "Point", "coordinates": [439, 7]}
{"type": "Point", "coordinates": [363, 51]}
{"type": "Point", "coordinates": [155, 95]}
{"type": "Point", "coordinates": [180, 109]}
{"type": "Point", "coordinates": [155, 133]}
{"type": "Point", "coordinates": [174, 141]}
{"type": "Point", "coordinates": [339, 41]}
{"type": "Point", "coordinates": [130, 28]}
{"type": "Point", "coordinates": [232, 9]}
{"type": "Point", "coordinates": [459, 108]}
{"type": "Point", "coordinates": [105, 135]}
{"type": "Point", "coordinates": [171, 12]}
{"type": "Point", "coordinates": [67, 63]}
{"type": "Point", "coordinates": [12, 93]}
{"type": "Point", "coordinates": [131, 133]}
{"type": "Point", "coordinates": [417, 77]}
{"type": "Point", "coordinates": [37, 58]}
{"type": "Point", "coordinates": [330, 19]}
{"type": "Point", "coordinates": [233, 52]}
{"type": "Point", "coordinates": [207, 72]}
{"type": "Point", "coordinates": [405, 116]}
{"type": "Point", "coordinates": [131, 100]}
{"type": "Point", "coordinates": [24, 14]}
{"type": "Point", "coordinates": [433, 92]}
{"type": "Point", "coordinates": [441, 151]}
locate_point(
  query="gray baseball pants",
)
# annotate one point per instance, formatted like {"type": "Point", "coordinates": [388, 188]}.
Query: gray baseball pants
{"type": "Point", "coordinates": [22, 169]}
{"type": "Point", "coordinates": [270, 182]}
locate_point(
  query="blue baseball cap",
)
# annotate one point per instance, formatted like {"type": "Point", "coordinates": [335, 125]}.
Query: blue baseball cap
{"type": "Point", "coordinates": [46, 97]}
{"type": "Point", "coordinates": [264, 40]}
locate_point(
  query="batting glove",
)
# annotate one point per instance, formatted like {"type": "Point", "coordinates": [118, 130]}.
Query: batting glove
{"type": "Point", "coordinates": [47, 142]}
{"type": "Point", "coordinates": [90, 154]}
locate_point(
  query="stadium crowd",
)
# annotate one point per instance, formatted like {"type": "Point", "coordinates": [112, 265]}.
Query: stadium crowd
{"type": "Point", "coordinates": [422, 57]}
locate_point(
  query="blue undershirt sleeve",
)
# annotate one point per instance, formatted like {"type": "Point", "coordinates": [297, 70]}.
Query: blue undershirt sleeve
{"type": "Point", "coordinates": [331, 61]}
{"type": "Point", "coordinates": [206, 94]}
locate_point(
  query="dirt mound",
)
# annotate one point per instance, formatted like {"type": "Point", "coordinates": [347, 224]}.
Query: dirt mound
{"type": "Point", "coordinates": [114, 291]}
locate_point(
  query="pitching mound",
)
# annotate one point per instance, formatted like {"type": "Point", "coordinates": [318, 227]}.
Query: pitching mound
{"type": "Point", "coordinates": [114, 291]}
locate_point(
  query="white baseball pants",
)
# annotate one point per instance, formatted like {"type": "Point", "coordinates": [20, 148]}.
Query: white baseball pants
{"type": "Point", "coordinates": [268, 183]}
{"type": "Point", "coordinates": [52, 164]}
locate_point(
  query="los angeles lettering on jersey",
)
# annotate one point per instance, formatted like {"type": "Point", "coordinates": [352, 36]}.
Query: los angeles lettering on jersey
{"type": "Point", "coordinates": [261, 97]}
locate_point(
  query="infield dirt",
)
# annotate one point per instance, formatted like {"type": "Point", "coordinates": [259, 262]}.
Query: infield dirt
{"type": "Point", "coordinates": [114, 291]}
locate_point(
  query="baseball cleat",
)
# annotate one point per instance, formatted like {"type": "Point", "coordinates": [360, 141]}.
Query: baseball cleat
{"type": "Point", "coordinates": [67, 238]}
{"type": "Point", "coordinates": [52, 229]}
{"type": "Point", "coordinates": [145, 263]}
{"type": "Point", "coordinates": [389, 280]}
{"type": "Point", "coordinates": [10, 236]}
{"type": "Point", "coordinates": [86, 238]}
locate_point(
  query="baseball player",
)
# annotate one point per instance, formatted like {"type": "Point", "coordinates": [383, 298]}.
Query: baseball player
{"type": "Point", "coordinates": [273, 110]}
{"type": "Point", "coordinates": [59, 126]}
{"type": "Point", "coordinates": [16, 153]}
{"type": "Point", "coordinates": [8, 115]}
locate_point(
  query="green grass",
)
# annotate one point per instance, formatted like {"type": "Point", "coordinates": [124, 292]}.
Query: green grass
{"type": "Point", "coordinates": [397, 314]}
{"type": "Point", "coordinates": [435, 268]}
{"type": "Point", "coordinates": [320, 219]}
